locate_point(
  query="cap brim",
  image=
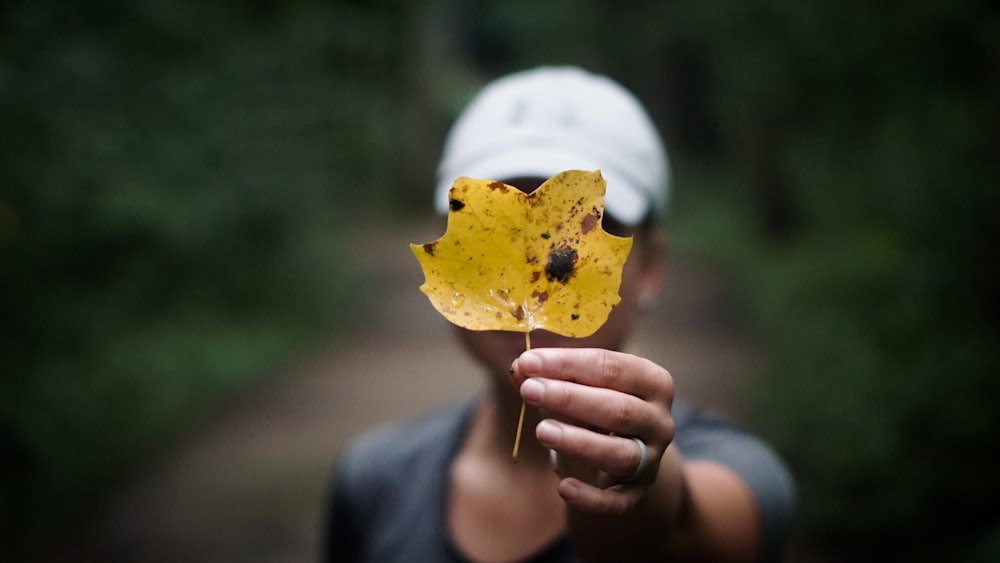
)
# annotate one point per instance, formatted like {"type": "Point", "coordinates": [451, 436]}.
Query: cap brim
{"type": "Point", "coordinates": [624, 202]}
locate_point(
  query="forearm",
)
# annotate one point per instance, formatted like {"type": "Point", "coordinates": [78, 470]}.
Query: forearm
{"type": "Point", "coordinates": [698, 511]}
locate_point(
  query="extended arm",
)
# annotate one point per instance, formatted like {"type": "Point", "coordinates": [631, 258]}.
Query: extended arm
{"type": "Point", "coordinates": [680, 510]}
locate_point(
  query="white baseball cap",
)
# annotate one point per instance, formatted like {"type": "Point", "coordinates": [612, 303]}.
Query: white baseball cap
{"type": "Point", "coordinates": [540, 122]}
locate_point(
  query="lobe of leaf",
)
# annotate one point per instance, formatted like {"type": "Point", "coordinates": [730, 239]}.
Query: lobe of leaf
{"type": "Point", "coordinates": [522, 262]}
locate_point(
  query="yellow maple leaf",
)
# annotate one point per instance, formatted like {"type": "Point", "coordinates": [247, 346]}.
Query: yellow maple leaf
{"type": "Point", "coordinates": [520, 262]}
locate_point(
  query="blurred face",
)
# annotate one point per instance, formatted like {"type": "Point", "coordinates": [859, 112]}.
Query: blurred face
{"type": "Point", "coordinates": [640, 281]}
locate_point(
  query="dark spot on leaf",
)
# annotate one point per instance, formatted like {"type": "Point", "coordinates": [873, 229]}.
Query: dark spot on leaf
{"type": "Point", "coordinates": [456, 205]}
{"type": "Point", "coordinates": [561, 264]}
{"type": "Point", "coordinates": [518, 313]}
{"type": "Point", "coordinates": [429, 248]}
{"type": "Point", "coordinates": [589, 222]}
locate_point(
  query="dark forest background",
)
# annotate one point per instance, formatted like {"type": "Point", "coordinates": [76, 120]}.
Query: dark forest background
{"type": "Point", "coordinates": [175, 178]}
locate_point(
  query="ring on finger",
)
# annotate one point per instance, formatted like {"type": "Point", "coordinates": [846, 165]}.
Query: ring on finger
{"type": "Point", "coordinates": [643, 460]}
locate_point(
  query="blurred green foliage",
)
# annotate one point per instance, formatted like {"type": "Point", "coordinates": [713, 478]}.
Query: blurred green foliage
{"type": "Point", "coordinates": [173, 174]}
{"type": "Point", "coordinates": [173, 179]}
{"type": "Point", "coordinates": [872, 275]}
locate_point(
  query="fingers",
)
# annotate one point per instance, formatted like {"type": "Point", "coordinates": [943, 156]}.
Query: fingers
{"type": "Point", "coordinates": [596, 368]}
{"type": "Point", "coordinates": [595, 402]}
{"type": "Point", "coordinates": [615, 456]}
{"type": "Point", "coordinates": [613, 501]}
{"type": "Point", "coordinates": [607, 410]}
{"type": "Point", "coordinates": [607, 461]}
{"type": "Point", "coordinates": [598, 400]}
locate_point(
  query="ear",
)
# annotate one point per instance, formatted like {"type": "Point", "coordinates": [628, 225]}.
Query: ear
{"type": "Point", "coordinates": [654, 258]}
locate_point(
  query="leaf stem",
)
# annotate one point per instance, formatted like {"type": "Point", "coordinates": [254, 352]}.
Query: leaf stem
{"type": "Point", "coordinates": [520, 418]}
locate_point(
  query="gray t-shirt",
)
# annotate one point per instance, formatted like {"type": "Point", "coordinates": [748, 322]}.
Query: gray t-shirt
{"type": "Point", "coordinates": [388, 494]}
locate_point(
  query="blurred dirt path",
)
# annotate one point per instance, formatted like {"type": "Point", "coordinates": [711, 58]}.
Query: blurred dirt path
{"type": "Point", "coordinates": [248, 485]}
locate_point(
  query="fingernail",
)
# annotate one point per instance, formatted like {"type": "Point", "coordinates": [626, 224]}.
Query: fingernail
{"type": "Point", "coordinates": [532, 391]}
{"type": "Point", "coordinates": [529, 363]}
{"type": "Point", "coordinates": [548, 433]}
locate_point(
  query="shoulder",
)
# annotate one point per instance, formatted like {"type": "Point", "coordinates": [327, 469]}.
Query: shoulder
{"type": "Point", "coordinates": [706, 435]}
{"type": "Point", "coordinates": [385, 499]}
{"type": "Point", "coordinates": [404, 445]}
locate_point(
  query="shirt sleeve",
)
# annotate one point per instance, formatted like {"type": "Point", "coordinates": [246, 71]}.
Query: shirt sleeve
{"type": "Point", "coordinates": [704, 435]}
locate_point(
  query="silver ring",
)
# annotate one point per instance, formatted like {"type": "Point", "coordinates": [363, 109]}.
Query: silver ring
{"type": "Point", "coordinates": [643, 461]}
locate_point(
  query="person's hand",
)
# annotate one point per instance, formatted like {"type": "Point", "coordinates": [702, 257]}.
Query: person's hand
{"type": "Point", "coordinates": [596, 402]}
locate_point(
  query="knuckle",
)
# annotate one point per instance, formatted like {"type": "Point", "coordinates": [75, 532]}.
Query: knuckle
{"type": "Point", "coordinates": [669, 428]}
{"type": "Point", "coordinates": [667, 383]}
{"type": "Point", "coordinates": [614, 505]}
{"type": "Point", "coordinates": [609, 367]}
{"type": "Point", "coordinates": [561, 397]}
{"type": "Point", "coordinates": [564, 364]}
{"type": "Point", "coordinates": [621, 414]}
{"type": "Point", "coordinates": [664, 381]}
{"type": "Point", "coordinates": [574, 443]}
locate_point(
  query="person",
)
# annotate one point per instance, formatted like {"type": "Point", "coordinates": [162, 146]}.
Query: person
{"type": "Point", "coordinates": [613, 466]}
